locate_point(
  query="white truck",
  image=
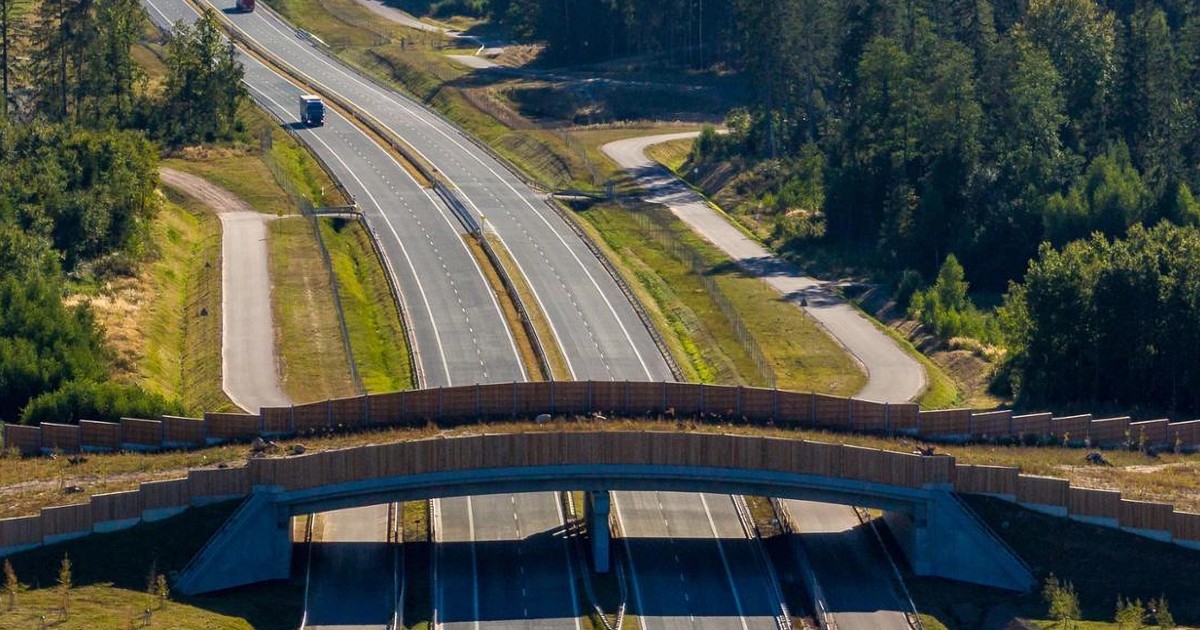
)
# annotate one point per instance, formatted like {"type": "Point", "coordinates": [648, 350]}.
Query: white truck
{"type": "Point", "coordinates": [312, 110]}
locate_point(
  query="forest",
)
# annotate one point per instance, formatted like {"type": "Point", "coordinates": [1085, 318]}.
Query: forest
{"type": "Point", "coordinates": [80, 140]}
{"type": "Point", "coordinates": [1007, 139]}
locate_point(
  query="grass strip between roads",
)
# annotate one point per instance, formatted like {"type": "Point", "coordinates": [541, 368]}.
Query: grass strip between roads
{"type": "Point", "coordinates": [376, 333]}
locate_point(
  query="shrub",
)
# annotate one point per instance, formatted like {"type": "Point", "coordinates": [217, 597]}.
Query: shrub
{"type": "Point", "coordinates": [89, 400]}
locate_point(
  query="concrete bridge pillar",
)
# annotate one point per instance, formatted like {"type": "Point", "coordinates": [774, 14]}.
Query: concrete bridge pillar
{"type": "Point", "coordinates": [598, 508]}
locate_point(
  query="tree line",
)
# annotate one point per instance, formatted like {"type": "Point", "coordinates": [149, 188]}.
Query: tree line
{"type": "Point", "coordinates": [971, 141]}
{"type": "Point", "coordinates": [80, 139]}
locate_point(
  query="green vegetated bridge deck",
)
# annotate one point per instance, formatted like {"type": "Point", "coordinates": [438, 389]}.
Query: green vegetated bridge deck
{"type": "Point", "coordinates": [545, 459]}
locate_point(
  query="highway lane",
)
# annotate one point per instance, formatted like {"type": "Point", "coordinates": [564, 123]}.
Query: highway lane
{"type": "Point", "coordinates": [516, 547]}
{"type": "Point", "coordinates": [691, 564]}
{"type": "Point", "coordinates": [460, 333]}
{"type": "Point", "coordinates": [595, 325]}
{"type": "Point", "coordinates": [859, 586]}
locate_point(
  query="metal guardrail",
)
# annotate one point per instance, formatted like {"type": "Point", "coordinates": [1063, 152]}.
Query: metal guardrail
{"type": "Point", "coordinates": [783, 620]}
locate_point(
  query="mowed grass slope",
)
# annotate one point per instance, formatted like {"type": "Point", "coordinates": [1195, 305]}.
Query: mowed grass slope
{"type": "Point", "coordinates": [804, 358]}
{"type": "Point", "coordinates": [110, 572]}
{"type": "Point", "coordinates": [376, 333]}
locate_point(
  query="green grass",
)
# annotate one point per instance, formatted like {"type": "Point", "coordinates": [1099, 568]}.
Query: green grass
{"type": "Point", "coordinates": [673, 154]}
{"type": "Point", "coordinates": [166, 341]}
{"type": "Point", "coordinates": [376, 334]}
{"type": "Point", "coordinates": [1101, 563]}
{"type": "Point", "coordinates": [110, 572]}
{"type": "Point", "coordinates": [803, 356]}
{"type": "Point", "coordinates": [309, 337]}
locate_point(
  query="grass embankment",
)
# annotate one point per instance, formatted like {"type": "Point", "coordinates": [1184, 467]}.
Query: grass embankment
{"type": "Point", "coordinates": [804, 358]}
{"type": "Point", "coordinates": [111, 570]}
{"type": "Point", "coordinates": [164, 322]}
{"type": "Point", "coordinates": [375, 329]}
{"type": "Point", "coordinates": [418, 608]}
{"type": "Point", "coordinates": [673, 154]}
{"type": "Point", "coordinates": [1101, 563]}
{"type": "Point", "coordinates": [308, 335]}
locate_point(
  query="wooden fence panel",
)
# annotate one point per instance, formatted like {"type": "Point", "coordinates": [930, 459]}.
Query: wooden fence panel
{"type": "Point", "coordinates": [1185, 526]}
{"type": "Point", "coordinates": [831, 411]}
{"type": "Point", "coordinates": [164, 494]}
{"type": "Point", "coordinates": [758, 404]}
{"type": "Point", "coordinates": [534, 399]}
{"type": "Point", "coordinates": [937, 470]}
{"type": "Point", "coordinates": [1032, 424]}
{"type": "Point", "coordinates": [1108, 431]}
{"type": "Point", "coordinates": [62, 437]}
{"type": "Point", "coordinates": [975, 479]}
{"type": "Point", "coordinates": [183, 431]}
{"type": "Point", "coordinates": [645, 399]}
{"type": "Point", "coordinates": [608, 397]}
{"type": "Point", "coordinates": [1070, 427]}
{"type": "Point", "coordinates": [571, 398]}
{"type": "Point", "coordinates": [903, 416]}
{"type": "Point", "coordinates": [1047, 491]}
{"type": "Point", "coordinates": [388, 409]}
{"type": "Point", "coordinates": [23, 439]}
{"type": "Point", "coordinates": [1150, 432]}
{"type": "Point", "coordinates": [795, 409]}
{"type": "Point", "coordinates": [1094, 503]}
{"type": "Point", "coordinates": [866, 415]}
{"type": "Point", "coordinates": [141, 433]}
{"type": "Point", "coordinates": [311, 416]}
{"type": "Point", "coordinates": [100, 436]}
{"type": "Point", "coordinates": [498, 401]}
{"type": "Point", "coordinates": [718, 401]}
{"type": "Point", "coordinates": [218, 482]}
{"type": "Point", "coordinates": [1186, 434]}
{"type": "Point", "coordinates": [349, 412]}
{"type": "Point", "coordinates": [231, 426]}
{"type": "Point", "coordinates": [945, 422]}
{"type": "Point", "coordinates": [459, 404]}
{"type": "Point", "coordinates": [20, 531]}
{"type": "Point", "coordinates": [62, 520]}
{"type": "Point", "coordinates": [276, 420]}
{"type": "Point", "coordinates": [116, 506]}
{"type": "Point", "coordinates": [822, 459]}
{"type": "Point", "coordinates": [992, 424]}
{"type": "Point", "coordinates": [1146, 515]}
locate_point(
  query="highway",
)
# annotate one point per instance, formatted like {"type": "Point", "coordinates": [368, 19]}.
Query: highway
{"type": "Point", "coordinates": [591, 320]}
{"type": "Point", "coordinates": [859, 586]}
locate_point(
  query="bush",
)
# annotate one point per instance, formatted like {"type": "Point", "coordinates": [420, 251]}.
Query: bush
{"type": "Point", "coordinates": [910, 282]}
{"type": "Point", "coordinates": [87, 400]}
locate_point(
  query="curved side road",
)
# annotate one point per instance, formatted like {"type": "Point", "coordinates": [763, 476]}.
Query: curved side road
{"type": "Point", "coordinates": [249, 373]}
{"type": "Point", "coordinates": [892, 375]}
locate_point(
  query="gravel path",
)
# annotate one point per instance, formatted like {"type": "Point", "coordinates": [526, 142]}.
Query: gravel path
{"type": "Point", "coordinates": [249, 366]}
{"type": "Point", "coordinates": [893, 375]}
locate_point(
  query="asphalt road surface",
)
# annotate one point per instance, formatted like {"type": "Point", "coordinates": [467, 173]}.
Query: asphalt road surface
{"type": "Point", "coordinates": [592, 321]}
{"type": "Point", "coordinates": [249, 366]}
{"type": "Point", "coordinates": [859, 586]}
{"type": "Point", "coordinates": [519, 572]}
{"type": "Point", "coordinates": [691, 564]}
{"type": "Point", "coordinates": [893, 375]}
{"type": "Point", "coordinates": [352, 583]}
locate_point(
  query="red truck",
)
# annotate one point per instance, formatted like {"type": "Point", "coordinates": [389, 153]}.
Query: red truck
{"type": "Point", "coordinates": [245, 5]}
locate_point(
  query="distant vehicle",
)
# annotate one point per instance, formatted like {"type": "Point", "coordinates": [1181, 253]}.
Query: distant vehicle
{"type": "Point", "coordinates": [245, 5]}
{"type": "Point", "coordinates": [312, 110]}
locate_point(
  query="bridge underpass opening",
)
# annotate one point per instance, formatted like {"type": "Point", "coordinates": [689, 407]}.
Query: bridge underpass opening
{"type": "Point", "coordinates": [936, 536]}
